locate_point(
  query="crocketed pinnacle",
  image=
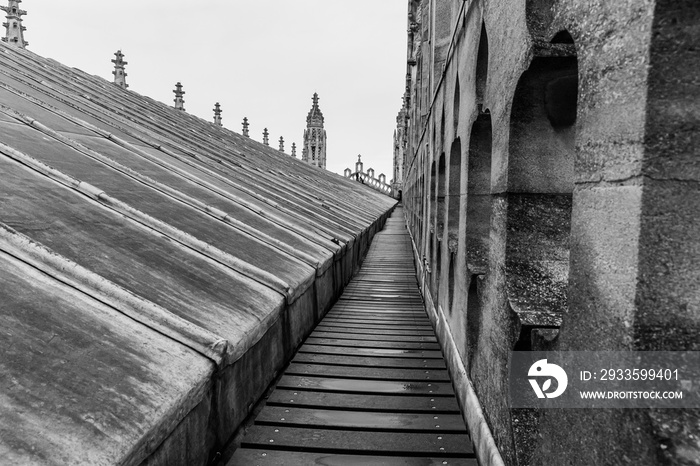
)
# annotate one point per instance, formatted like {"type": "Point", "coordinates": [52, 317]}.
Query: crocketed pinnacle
{"type": "Point", "coordinates": [315, 116]}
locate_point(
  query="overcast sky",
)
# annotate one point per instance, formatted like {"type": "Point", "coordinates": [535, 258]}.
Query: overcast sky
{"type": "Point", "coordinates": [262, 59]}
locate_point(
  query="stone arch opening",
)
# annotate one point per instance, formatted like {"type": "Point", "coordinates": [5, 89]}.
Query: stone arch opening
{"type": "Point", "coordinates": [478, 225]}
{"type": "Point", "coordinates": [440, 219]}
{"type": "Point", "coordinates": [453, 191]}
{"type": "Point", "coordinates": [453, 210]}
{"type": "Point", "coordinates": [540, 187]}
{"type": "Point", "coordinates": [455, 107]}
{"type": "Point", "coordinates": [482, 66]}
{"type": "Point", "coordinates": [432, 207]}
{"type": "Point", "coordinates": [417, 199]}
{"type": "Point", "coordinates": [479, 195]}
{"type": "Point", "coordinates": [442, 129]}
{"type": "Point", "coordinates": [562, 37]}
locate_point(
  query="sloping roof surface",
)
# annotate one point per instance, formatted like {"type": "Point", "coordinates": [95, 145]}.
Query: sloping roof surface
{"type": "Point", "coordinates": [140, 247]}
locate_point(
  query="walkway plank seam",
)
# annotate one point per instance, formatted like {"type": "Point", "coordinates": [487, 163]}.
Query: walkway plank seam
{"type": "Point", "coordinates": [369, 385]}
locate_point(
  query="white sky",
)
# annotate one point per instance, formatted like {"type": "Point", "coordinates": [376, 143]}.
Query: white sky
{"type": "Point", "coordinates": [262, 59]}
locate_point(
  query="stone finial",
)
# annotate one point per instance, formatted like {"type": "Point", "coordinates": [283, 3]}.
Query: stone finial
{"type": "Point", "coordinates": [281, 144]}
{"type": "Point", "coordinates": [217, 114]}
{"type": "Point", "coordinates": [266, 137]}
{"type": "Point", "coordinates": [179, 102]}
{"type": "Point", "coordinates": [294, 149]}
{"type": "Point", "coordinates": [119, 73]}
{"type": "Point", "coordinates": [315, 116]}
{"type": "Point", "coordinates": [14, 31]}
{"type": "Point", "coordinates": [245, 127]}
{"type": "Point", "coordinates": [359, 164]}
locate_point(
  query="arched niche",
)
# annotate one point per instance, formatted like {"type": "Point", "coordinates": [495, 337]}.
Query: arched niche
{"type": "Point", "coordinates": [453, 210]}
{"type": "Point", "coordinates": [479, 195]}
{"type": "Point", "coordinates": [482, 66]}
{"type": "Point", "coordinates": [432, 208]}
{"type": "Point", "coordinates": [478, 223]}
{"type": "Point", "coordinates": [442, 129]}
{"type": "Point", "coordinates": [453, 190]}
{"type": "Point", "coordinates": [441, 196]}
{"type": "Point", "coordinates": [540, 187]}
{"type": "Point", "coordinates": [439, 220]}
{"type": "Point", "coordinates": [562, 37]}
{"type": "Point", "coordinates": [455, 107]}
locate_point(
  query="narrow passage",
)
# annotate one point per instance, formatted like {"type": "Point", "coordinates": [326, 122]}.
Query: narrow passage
{"type": "Point", "coordinates": [369, 386]}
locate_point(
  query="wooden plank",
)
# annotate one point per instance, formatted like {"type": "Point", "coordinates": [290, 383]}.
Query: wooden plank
{"type": "Point", "coordinates": [390, 322]}
{"type": "Point", "coordinates": [409, 306]}
{"type": "Point", "coordinates": [376, 326]}
{"type": "Point", "coordinates": [341, 441]}
{"type": "Point", "coordinates": [368, 361]}
{"type": "Point", "coordinates": [389, 309]}
{"type": "Point", "coordinates": [384, 315]}
{"type": "Point", "coordinates": [379, 319]}
{"type": "Point", "coordinates": [360, 331]}
{"type": "Point", "coordinates": [295, 382]}
{"type": "Point", "coordinates": [374, 288]}
{"type": "Point", "coordinates": [354, 420]}
{"type": "Point", "coordinates": [369, 287]}
{"type": "Point", "coordinates": [374, 402]}
{"type": "Point", "coordinates": [372, 344]}
{"type": "Point", "coordinates": [383, 373]}
{"type": "Point", "coordinates": [376, 337]}
{"type": "Point", "coordinates": [377, 352]}
{"type": "Point", "coordinates": [267, 457]}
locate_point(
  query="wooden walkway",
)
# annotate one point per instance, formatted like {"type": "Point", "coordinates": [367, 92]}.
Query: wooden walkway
{"type": "Point", "coordinates": [369, 386]}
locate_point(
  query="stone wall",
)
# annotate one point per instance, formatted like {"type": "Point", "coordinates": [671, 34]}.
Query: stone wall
{"type": "Point", "coordinates": [551, 187]}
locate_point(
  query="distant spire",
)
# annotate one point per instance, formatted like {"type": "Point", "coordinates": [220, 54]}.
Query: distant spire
{"type": "Point", "coordinates": [179, 102]}
{"type": "Point", "coordinates": [245, 127]}
{"type": "Point", "coordinates": [314, 149]}
{"type": "Point", "coordinates": [217, 114]}
{"type": "Point", "coordinates": [266, 137]}
{"type": "Point", "coordinates": [281, 144]}
{"type": "Point", "coordinates": [294, 149]}
{"type": "Point", "coordinates": [315, 116]}
{"type": "Point", "coordinates": [14, 31]}
{"type": "Point", "coordinates": [119, 73]}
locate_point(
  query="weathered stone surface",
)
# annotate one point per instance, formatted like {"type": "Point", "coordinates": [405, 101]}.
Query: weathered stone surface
{"type": "Point", "coordinates": [586, 231]}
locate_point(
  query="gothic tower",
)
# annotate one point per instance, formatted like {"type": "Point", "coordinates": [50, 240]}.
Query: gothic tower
{"type": "Point", "coordinates": [14, 34]}
{"type": "Point", "coordinates": [314, 151]}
